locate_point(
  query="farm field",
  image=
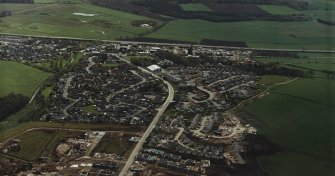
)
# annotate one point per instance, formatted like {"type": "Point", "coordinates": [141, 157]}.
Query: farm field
{"type": "Point", "coordinates": [322, 4]}
{"type": "Point", "coordinates": [56, 1]}
{"type": "Point", "coordinates": [19, 7]}
{"type": "Point", "coordinates": [72, 20]}
{"type": "Point", "coordinates": [270, 80]}
{"type": "Point", "coordinates": [319, 64]}
{"type": "Point", "coordinates": [308, 165]}
{"type": "Point", "coordinates": [20, 78]}
{"type": "Point", "coordinates": [299, 118]}
{"type": "Point", "coordinates": [327, 15]}
{"type": "Point", "coordinates": [195, 7]}
{"type": "Point", "coordinates": [279, 10]}
{"type": "Point", "coordinates": [259, 34]}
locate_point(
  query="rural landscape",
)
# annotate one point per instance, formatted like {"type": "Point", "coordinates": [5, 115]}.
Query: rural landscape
{"type": "Point", "coordinates": [167, 87]}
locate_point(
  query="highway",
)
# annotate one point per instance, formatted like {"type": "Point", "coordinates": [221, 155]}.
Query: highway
{"type": "Point", "coordinates": [173, 44]}
{"type": "Point", "coordinates": [152, 125]}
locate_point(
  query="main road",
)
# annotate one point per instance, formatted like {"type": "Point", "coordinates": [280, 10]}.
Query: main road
{"type": "Point", "coordinates": [173, 44]}
{"type": "Point", "coordinates": [152, 125]}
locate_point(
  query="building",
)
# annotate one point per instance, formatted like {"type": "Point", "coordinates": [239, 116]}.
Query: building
{"type": "Point", "coordinates": [154, 68]}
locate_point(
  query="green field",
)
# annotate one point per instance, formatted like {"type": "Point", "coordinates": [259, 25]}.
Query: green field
{"type": "Point", "coordinates": [319, 64]}
{"type": "Point", "coordinates": [33, 144]}
{"type": "Point", "coordinates": [270, 80]}
{"type": "Point", "coordinates": [299, 117]}
{"type": "Point", "coordinates": [113, 144]}
{"type": "Point", "coordinates": [90, 109]}
{"type": "Point", "coordinates": [20, 78]}
{"type": "Point", "coordinates": [37, 143]}
{"type": "Point", "coordinates": [194, 7]}
{"type": "Point", "coordinates": [18, 7]}
{"type": "Point", "coordinates": [327, 15]}
{"type": "Point", "coordinates": [279, 10]}
{"type": "Point", "coordinates": [281, 164]}
{"type": "Point", "coordinates": [47, 92]}
{"type": "Point", "coordinates": [56, 1]}
{"type": "Point", "coordinates": [322, 4]}
{"type": "Point", "coordinates": [60, 20]}
{"type": "Point", "coordinates": [298, 35]}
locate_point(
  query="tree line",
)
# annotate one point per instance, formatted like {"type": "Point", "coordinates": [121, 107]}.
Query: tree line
{"type": "Point", "coordinates": [17, 1]}
{"type": "Point", "coordinates": [12, 103]}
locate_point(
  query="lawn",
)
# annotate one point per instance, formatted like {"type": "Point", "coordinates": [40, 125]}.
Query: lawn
{"type": "Point", "coordinates": [33, 144]}
{"type": "Point", "coordinates": [279, 10]}
{"type": "Point", "coordinates": [20, 78]}
{"type": "Point", "coordinates": [92, 22]}
{"type": "Point", "coordinates": [259, 34]}
{"type": "Point", "coordinates": [194, 7]}
{"type": "Point", "coordinates": [299, 118]}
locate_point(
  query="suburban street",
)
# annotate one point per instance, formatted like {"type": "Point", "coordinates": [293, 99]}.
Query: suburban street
{"type": "Point", "coordinates": [152, 125]}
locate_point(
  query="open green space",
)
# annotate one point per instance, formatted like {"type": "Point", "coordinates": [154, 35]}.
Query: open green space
{"type": "Point", "coordinates": [279, 10]}
{"type": "Point", "coordinates": [274, 165]}
{"type": "Point", "coordinates": [321, 5]}
{"type": "Point", "coordinates": [57, 1]}
{"type": "Point", "coordinates": [260, 34]}
{"type": "Point", "coordinates": [270, 80]}
{"type": "Point", "coordinates": [78, 57]}
{"type": "Point", "coordinates": [13, 128]}
{"type": "Point", "coordinates": [72, 20]}
{"type": "Point", "coordinates": [326, 15]}
{"type": "Point", "coordinates": [299, 117]}
{"type": "Point", "coordinates": [102, 23]}
{"type": "Point", "coordinates": [18, 7]}
{"type": "Point", "coordinates": [194, 7]}
{"type": "Point", "coordinates": [113, 144]}
{"type": "Point", "coordinates": [19, 78]}
{"type": "Point", "coordinates": [41, 143]}
{"type": "Point", "coordinates": [90, 109]}
{"type": "Point", "coordinates": [47, 92]}
{"type": "Point", "coordinates": [315, 62]}
{"type": "Point", "coordinates": [33, 144]}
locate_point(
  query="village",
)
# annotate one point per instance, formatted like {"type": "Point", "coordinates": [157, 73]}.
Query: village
{"type": "Point", "coordinates": [181, 102]}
